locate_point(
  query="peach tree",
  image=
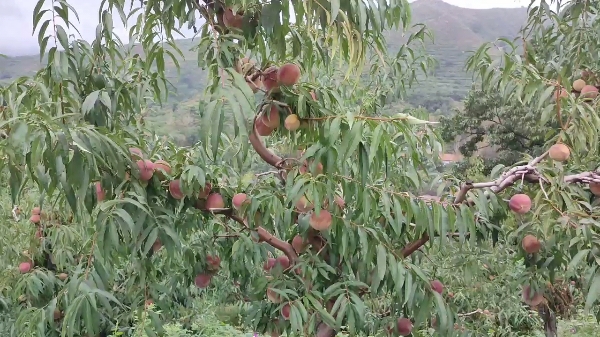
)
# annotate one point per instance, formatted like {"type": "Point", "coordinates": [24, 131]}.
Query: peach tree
{"type": "Point", "coordinates": [318, 239]}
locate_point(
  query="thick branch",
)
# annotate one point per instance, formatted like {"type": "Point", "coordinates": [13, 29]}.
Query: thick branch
{"type": "Point", "coordinates": [265, 154]}
{"type": "Point", "coordinates": [264, 235]}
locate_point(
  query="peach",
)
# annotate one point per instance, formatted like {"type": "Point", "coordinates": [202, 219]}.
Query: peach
{"type": "Point", "coordinates": [288, 74]}
{"type": "Point", "coordinates": [285, 311]}
{"type": "Point", "coordinates": [559, 152]}
{"type": "Point", "coordinates": [283, 261]}
{"type": "Point", "coordinates": [175, 189]}
{"type": "Point", "coordinates": [35, 218]}
{"type": "Point", "coordinates": [531, 244]}
{"type": "Point", "coordinates": [36, 211]}
{"type": "Point", "coordinates": [595, 188]}
{"type": "Point", "coordinates": [146, 168]}
{"type": "Point", "coordinates": [272, 296]}
{"type": "Point", "coordinates": [298, 244]}
{"type": "Point", "coordinates": [520, 203]}
{"type": "Point", "coordinates": [100, 194]}
{"type": "Point", "coordinates": [136, 153]}
{"type": "Point", "coordinates": [157, 245]}
{"type": "Point", "coordinates": [239, 200]}
{"type": "Point", "coordinates": [205, 191]}
{"type": "Point", "coordinates": [271, 118]}
{"type": "Point", "coordinates": [63, 276]}
{"type": "Point", "coordinates": [531, 299]}
{"type": "Point", "coordinates": [213, 262]}
{"type": "Point", "coordinates": [269, 78]}
{"type": "Point", "coordinates": [161, 168]}
{"type": "Point", "coordinates": [589, 92]}
{"type": "Point", "coordinates": [215, 200]}
{"type": "Point", "coordinates": [269, 264]}
{"type": "Point", "coordinates": [291, 122]}
{"type": "Point", "coordinates": [232, 20]}
{"type": "Point", "coordinates": [404, 326]}
{"type": "Point", "coordinates": [25, 267]}
{"type": "Point", "coordinates": [202, 280]}
{"type": "Point", "coordinates": [437, 286]}
{"type": "Point", "coordinates": [322, 221]}
{"type": "Point", "coordinates": [579, 84]}
{"type": "Point", "coordinates": [261, 128]}
{"type": "Point", "coordinates": [303, 205]}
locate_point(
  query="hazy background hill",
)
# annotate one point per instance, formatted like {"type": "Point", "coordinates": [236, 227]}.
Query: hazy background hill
{"type": "Point", "coordinates": [456, 31]}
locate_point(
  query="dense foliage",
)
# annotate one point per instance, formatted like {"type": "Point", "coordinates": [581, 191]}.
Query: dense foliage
{"type": "Point", "coordinates": [126, 220]}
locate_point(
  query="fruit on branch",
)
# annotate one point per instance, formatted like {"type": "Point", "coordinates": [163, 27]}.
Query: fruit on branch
{"type": "Point", "coordinates": [148, 303]}
{"type": "Point", "coordinates": [36, 211]}
{"type": "Point", "coordinates": [520, 203]}
{"type": "Point", "coordinates": [272, 296]}
{"type": "Point", "coordinates": [213, 262]}
{"type": "Point", "coordinates": [531, 299]}
{"type": "Point", "coordinates": [261, 128]}
{"type": "Point", "coordinates": [175, 189]}
{"type": "Point", "coordinates": [437, 286]}
{"type": "Point", "coordinates": [35, 218]}
{"type": "Point", "coordinates": [25, 267]}
{"type": "Point", "coordinates": [146, 168]}
{"type": "Point", "coordinates": [161, 167]}
{"type": "Point", "coordinates": [285, 311]}
{"type": "Point", "coordinates": [269, 78]}
{"type": "Point", "coordinates": [288, 74]}
{"type": "Point", "coordinates": [233, 20]}
{"type": "Point", "coordinates": [157, 245]}
{"type": "Point", "coordinates": [215, 200]}
{"type": "Point", "coordinates": [269, 264]}
{"type": "Point", "coordinates": [271, 117]}
{"type": "Point", "coordinates": [283, 261]}
{"type": "Point", "coordinates": [100, 194]}
{"type": "Point", "coordinates": [63, 276]}
{"type": "Point", "coordinates": [202, 280]}
{"type": "Point", "coordinates": [531, 244]}
{"type": "Point", "coordinates": [559, 152]}
{"type": "Point", "coordinates": [205, 192]}
{"type": "Point", "coordinates": [298, 244]}
{"type": "Point", "coordinates": [595, 188]}
{"type": "Point", "coordinates": [57, 314]}
{"type": "Point", "coordinates": [589, 92]}
{"type": "Point", "coordinates": [303, 205]}
{"type": "Point", "coordinates": [292, 123]}
{"type": "Point", "coordinates": [136, 154]}
{"type": "Point", "coordinates": [579, 84]}
{"type": "Point", "coordinates": [404, 326]}
{"type": "Point", "coordinates": [322, 221]}
{"type": "Point", "coordinates": [239, 200]}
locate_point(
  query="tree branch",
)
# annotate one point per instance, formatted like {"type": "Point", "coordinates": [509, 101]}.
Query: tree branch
{"type": "Point", "coordinates": [263, 234]}
{"type": "Point", "coordinates": [527, 173]}
{"type": "Point", "coordinates": [265, 154]}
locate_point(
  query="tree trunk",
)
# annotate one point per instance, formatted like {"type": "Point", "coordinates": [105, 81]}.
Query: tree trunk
{"type": "Point", "coordinates": [549, 319]}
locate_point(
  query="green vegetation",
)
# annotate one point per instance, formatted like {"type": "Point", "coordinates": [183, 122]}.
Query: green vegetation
{"type": "Point", "coordinates": [300, 207]}
{"type": "Point", "coordinates": [455, 30]}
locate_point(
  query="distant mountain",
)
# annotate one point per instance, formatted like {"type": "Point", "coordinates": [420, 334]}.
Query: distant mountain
{"type": "Point", "coordinates": [456, 31]}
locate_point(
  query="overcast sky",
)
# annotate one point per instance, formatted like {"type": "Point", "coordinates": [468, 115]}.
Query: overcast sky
{"type": "Point", "coordinates": [16, 21]}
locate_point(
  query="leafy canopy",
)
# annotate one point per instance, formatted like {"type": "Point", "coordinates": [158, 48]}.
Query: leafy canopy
{"type": "Point", "coordinates": [124, 234]}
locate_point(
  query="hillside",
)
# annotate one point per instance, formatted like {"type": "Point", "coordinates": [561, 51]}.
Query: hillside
{"type": "Point", "coordinates": [456, 31]}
